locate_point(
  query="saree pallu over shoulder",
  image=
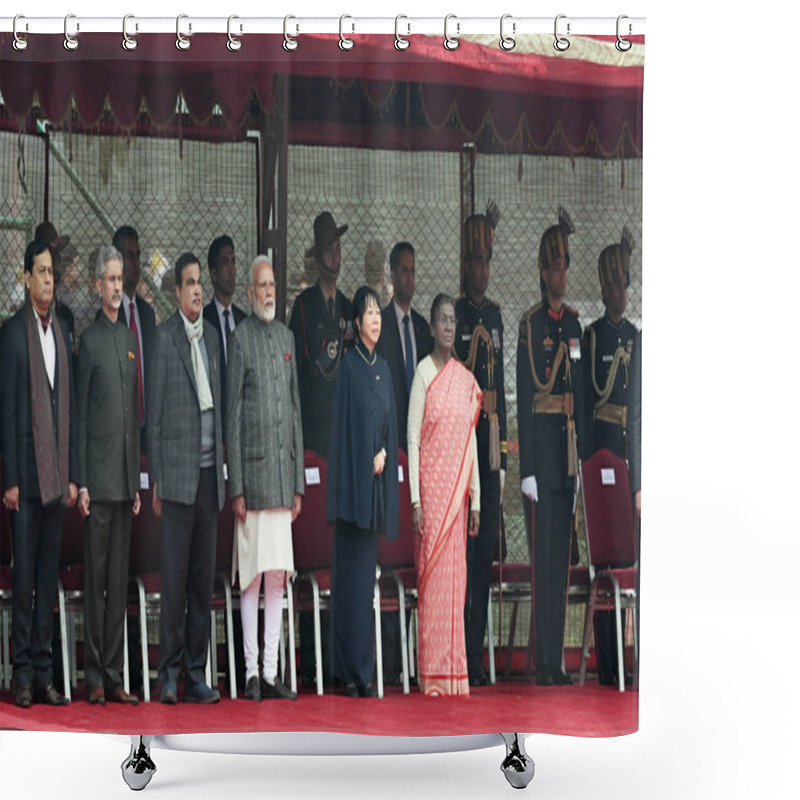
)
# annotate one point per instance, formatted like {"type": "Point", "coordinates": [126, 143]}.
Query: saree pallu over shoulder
{"type": "Point", "coordinates": [452, 405]}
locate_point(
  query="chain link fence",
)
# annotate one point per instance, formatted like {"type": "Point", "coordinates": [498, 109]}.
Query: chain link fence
{"type": "Point", "coordinates": [180, 195]}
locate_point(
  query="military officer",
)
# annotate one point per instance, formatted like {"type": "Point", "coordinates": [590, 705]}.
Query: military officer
{"type": "Point", "coordinates": [607, 346]}
{"type": "Point", "coordinates": [479, 345]}
{"type": "Point", "coordinates": [549, 397]}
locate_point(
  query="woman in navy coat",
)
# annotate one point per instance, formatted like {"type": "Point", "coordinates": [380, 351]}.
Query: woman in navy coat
{"type": "Point", "coordinates": [362, 494]}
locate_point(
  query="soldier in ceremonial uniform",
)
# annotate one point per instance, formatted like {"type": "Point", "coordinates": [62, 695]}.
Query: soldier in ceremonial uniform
{"type": "Point", "coordinates": [550, 406]}
{"type": "Point", "coordinates": [607, 346]}
{"type": "Point", "coordinates": [479, 345]}
{"type": "Point", "coordinates": [322, 325]}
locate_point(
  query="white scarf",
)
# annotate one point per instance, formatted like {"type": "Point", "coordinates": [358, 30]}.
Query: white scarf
{"type": "Point", "coordinates": [194, 332]}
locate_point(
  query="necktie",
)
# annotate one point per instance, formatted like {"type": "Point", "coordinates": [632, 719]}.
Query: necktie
{"type": "Point", "coordinates": [330, 306]}
{"type": "Point", "coordinates": [135, 329]}
{"type": "Point", "coordinates": [409, 353]}
{"type": "Point", "coordinates": [45, 322]}
{"type": "Point", "coordinates": [227, 314]}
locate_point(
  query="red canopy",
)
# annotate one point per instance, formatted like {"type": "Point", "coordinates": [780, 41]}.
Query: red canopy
{"type": "Point", "coordinates": [423, 97]}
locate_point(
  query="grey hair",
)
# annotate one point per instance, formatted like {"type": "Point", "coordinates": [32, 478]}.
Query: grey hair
{"type": "Point", "coordinates": [257, 262]}
{"type": "Point", "coordinates": [105, 255]}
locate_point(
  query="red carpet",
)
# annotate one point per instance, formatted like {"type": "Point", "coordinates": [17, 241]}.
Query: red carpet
{"type": "Point", "coordinates": [591, 710]}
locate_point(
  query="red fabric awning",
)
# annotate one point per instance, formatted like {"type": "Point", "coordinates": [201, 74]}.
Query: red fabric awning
{"type": "Point", "coordinates": [541, 103]}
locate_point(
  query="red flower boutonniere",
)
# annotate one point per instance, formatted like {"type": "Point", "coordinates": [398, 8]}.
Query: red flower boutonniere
{"type": "Point", "coordinates": [287, 356]}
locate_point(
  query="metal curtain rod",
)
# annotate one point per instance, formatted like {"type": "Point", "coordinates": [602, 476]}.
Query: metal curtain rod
{"type": "Point", "coordinates": [75, 25]}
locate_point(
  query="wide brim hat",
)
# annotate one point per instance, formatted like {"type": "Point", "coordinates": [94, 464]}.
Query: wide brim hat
{"type": "Point", "coordinates": [325, 232]}
{"type": "Point", "coordinates": [555, 240]}
{"type": "Point", "coordinates": [46, 232]}
{"type": "Point", "coordinates": [615, 262]}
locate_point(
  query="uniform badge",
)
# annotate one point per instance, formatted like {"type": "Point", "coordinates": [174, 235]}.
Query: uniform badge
{"type": "Point", "coordinates": [131, 356]}
{"type": "Point", "coordinates": [547, 344]}
{"type": "Point", "coordinates": [575, 349]}
{"type": "Point", "coordinates": [496, 338]}
{"type": "Point", "coordinates": [333, 349]}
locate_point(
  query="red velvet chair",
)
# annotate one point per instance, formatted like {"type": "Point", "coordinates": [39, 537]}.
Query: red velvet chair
{"type": "Point", "coordinates": [612, 548]}
{"type": "Point", "coordinates": [312, 544]}
{"type": "Point", "coordinates": [397, 581]}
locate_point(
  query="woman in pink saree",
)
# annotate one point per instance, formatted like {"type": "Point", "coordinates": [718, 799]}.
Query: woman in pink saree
{"type": "Point", "coordinates": [443, 474]}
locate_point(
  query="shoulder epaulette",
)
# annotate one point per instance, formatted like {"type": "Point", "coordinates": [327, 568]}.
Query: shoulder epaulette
{"type": "Point", "coordinates": [571, 310]}
{"type": "Point", "coordinates": [532, 310]}
{"type": "Point", "coordinates": [526, 315]}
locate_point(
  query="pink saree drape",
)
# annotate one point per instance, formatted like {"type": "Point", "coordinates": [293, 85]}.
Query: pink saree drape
{"type": "Point", "coordinates": [452, 404]}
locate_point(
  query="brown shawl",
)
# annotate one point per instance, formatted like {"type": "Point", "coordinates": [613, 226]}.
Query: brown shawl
{"type": "Point", "coordinates": [52, 454]}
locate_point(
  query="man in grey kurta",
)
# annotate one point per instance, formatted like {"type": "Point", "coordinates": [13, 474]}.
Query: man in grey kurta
{"type": "Point", "coordinates": [265, 471]}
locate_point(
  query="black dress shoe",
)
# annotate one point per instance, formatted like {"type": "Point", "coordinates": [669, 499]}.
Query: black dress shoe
{"type": "Point", "coordinates": [276, 690]}
{"type": "Point", "coordinates": [201, 693]}
{"type": "Point", "coordinates": [561, 679]}
{"type": "Point", "coordinates": [252, 691]}
{"type": "Point", "coordinates": [351, 690]}
{"type": "Point", "coordinates": [169, 696]}
{"type": "Point", "coordinates": [544, 678]}
{"type": "Point", "coordinates": [22, 695]}
{"type": "Point", "coordinates": [478, 680]}
{"type": "Point", "coordinates": [50, 696]}
{"type": "Point", "coordinates": [367, 691]}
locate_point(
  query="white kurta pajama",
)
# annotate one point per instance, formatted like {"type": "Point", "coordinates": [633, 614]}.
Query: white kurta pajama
{"type": "Point", "coordinates": [265, 465]}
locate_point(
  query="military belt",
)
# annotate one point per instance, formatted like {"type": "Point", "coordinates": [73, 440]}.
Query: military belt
{"type": "Point", "coordinates": [553, 403]}
{"type": "Point", "coordinates": [613, 414]}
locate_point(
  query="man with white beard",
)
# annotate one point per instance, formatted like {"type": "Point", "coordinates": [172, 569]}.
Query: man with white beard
{"type": "Point", "coordinates": [265, 472]}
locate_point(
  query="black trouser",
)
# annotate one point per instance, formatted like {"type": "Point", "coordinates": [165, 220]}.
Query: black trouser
{"type": "Point", "coordinates": [188, 560]}
{"type": "Point", "coordinates": [480, 554]}
{"type": "Point", "coordinates": [355, 556]}
{"type": "Point", "coordinates": [551, 551]}
{"type": "Point", "coordinates": [105, 562]}
{"type": "Point", "coordinates": [36, 542]}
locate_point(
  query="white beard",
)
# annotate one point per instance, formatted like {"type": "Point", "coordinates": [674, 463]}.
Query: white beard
{"type": "Point", "coordinates": [266, 313]}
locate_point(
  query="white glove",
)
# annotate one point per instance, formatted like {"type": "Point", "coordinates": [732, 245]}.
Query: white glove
{"type": "Point", "coordinates": [502, 483]}
{"type": "Point", "coordinates": [529, 488]}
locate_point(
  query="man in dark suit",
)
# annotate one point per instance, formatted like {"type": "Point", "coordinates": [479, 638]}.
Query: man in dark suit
{"type": "Point", "coordinates": [38, 448]}
{"type": "Point", "coordinates": [405, 334]}
{"type": "Point", "coordinates": [138, 315]}
{"type": "Point", "coordinates": [185, 444]}
{"type": "Point", "coordinates": [46, 232]}
{"type": "Point", "coordinates": [405, 340]}
{"type": "Point", "coordinates": [222, 312]}
{"type": "Point", "coordinates": [108, 476]}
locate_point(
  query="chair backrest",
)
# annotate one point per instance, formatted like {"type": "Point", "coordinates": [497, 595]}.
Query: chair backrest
{"type": "Point", "coordinates": [608, 510]}
{"type": "Point", "coordinates": [312, 536]}
{"type": "Point", "coordinates": [145, 552]}
{"type": "Point", "coordinates": [400, 552]}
